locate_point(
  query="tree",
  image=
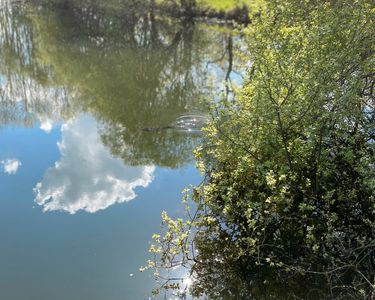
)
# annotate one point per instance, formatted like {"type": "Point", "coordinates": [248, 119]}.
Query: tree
{"type": "Point", "coordinates": [289, 188]}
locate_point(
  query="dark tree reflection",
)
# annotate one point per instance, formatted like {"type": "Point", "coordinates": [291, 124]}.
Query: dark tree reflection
{"type": "Point", "coordinates": [219, 274]}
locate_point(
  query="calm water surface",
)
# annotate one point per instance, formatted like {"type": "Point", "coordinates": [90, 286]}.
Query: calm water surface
{"type": "Point", "coordinates": [82, 182]}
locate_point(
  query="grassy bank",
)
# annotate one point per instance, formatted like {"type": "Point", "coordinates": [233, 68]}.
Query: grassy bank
{"type": "Point", "coordinates": [222, 9]}
{"type": "Point", "coordinates": [221, 5]}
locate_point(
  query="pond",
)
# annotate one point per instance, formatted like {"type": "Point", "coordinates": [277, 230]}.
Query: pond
{"type": "Point", "coordinates": [89, 156]}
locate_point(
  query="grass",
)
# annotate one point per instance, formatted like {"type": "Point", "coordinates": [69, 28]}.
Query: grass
{"type": "Point", "coordinates": [224, 9]}
{"type": "Point", "coordinates": [222, 5]}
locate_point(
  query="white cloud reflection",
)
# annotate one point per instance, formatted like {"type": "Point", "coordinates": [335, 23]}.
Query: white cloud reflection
{"type": "Point", "coordinates": [10, 166]}
{"type": "Point", "coordinates": [46, 125]}
{"type": "Point", "coordinates": [87, 177]}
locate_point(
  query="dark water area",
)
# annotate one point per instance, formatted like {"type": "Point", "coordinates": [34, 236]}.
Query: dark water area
{"type": "Point", "coordinates": [82, 183]}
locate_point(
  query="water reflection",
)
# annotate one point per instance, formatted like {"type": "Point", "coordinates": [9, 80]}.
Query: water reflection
{"type": "Point", "coordinates": [105, 74]}
{"type": "Point", "coordinates": [28, 94]}
{"type": "Point", "coordinates": [131, 71]}
{"type": "Point", "coordinates": [10, 166]}
{"type": "Point", "coordinates": [87, 177]}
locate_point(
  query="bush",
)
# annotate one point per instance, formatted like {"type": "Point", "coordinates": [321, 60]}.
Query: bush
{"type": "Point", "coordinates": [289, 165]}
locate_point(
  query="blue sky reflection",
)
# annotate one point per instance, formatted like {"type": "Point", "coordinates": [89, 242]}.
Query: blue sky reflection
{"type": "Point", "coordinates": [87, 177]}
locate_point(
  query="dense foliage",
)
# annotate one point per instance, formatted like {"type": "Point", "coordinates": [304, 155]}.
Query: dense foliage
{"type": "Point", "coordinates": [289, 191]}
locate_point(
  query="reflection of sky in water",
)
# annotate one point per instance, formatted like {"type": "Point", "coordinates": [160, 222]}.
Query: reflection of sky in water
{"type": "Point", "coordinates": [82, 256]}
{"type": "Point", "coordinates": [46, 125]}
{"type": "Point", "coordinates": [10, 166]}
{"type": "Point", "coordinates": [62, 256]}
{"type": "Point", "coordinates": [87, 177]}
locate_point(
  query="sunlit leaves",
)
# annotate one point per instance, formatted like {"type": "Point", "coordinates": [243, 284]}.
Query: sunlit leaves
{"type": "Point", "coordinates": [289, 164]}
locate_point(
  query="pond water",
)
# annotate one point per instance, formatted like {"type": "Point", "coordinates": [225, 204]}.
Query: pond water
{"type": "Point", "coordinates": [82, 183]}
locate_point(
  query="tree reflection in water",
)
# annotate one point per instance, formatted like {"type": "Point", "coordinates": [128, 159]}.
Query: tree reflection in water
{"type": "Point", "coordinates": [130, 70]}
{"type": "Point", "coordinates": [133, 71]}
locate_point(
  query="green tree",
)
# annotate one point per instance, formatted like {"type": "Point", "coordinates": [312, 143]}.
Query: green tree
{"type": "Point", "coordinates": [289, 188]}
